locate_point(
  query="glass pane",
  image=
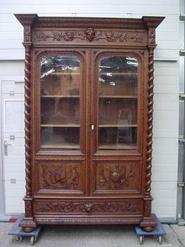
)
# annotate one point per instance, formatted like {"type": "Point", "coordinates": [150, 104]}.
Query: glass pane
{"type": "Point", "coordinates": [60, 102]}
{"type": "Point", "coordinates": [117, 90]}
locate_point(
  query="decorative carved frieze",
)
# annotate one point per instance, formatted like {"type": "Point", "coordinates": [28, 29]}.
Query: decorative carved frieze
{"type": "Point", "coordinates": [90, 35]}
{"type": "Point", "coordinates": [83, 206]}
{"type": "Point", "coordinates": [60, 176]}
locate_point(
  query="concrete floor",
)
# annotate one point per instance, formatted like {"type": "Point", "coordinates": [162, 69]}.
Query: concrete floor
{"type": "Point", "coordinates": [93, 236]}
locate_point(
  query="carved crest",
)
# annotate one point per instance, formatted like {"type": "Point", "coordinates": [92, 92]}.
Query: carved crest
{"type": "Point", "coordinates": [90, 34]}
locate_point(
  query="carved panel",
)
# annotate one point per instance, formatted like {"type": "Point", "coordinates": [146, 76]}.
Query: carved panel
{"type": "Point", "coordinates": [151, 36]}
{"type": "Point", "coordinates": [87, 206]}
{"type": "Point", "coordinates": [28, 207]}
{"type": "Point", "coordinates": [91, 35]}
{"type": "Point", "coordinates": [117, 175]}
{"type": "Point", "coordinates": [60, 175]}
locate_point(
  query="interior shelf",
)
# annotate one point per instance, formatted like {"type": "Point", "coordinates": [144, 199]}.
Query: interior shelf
{"type": "Point", "coordinates": [117, 146]}
{"type": "Point", "coordinates": [60, 125]}
{"type": "Point", "coordinates": [118, 126]}
{"type": "Point", "coordinates": [60, 146]}
{"type": "Point", "coordinates": [60, 96]}
{"type": "Point", "coordinates": [118, 96]}
{"type": "Point", "coordinates": [117, 73]}
{"type": "Point", "coordinates": [65, 73]}
{"type": "Point", "coordinates": [101, 96]}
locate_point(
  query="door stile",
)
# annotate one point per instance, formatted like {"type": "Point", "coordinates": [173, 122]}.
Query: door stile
{"type": "Point", "coordinates": [93, 121]}
{"type": "Point", "coordinates": [88, 105]}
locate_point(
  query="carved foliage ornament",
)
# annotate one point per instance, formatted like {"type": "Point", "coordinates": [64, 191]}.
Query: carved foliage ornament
{"type": "Point", "coordinates": [89, 34]}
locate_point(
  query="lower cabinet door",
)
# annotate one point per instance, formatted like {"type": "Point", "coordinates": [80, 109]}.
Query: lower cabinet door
{"type": "Point", "coordinates": [60, 177]}
{"type": "Point", "coordinates": [116, 178]}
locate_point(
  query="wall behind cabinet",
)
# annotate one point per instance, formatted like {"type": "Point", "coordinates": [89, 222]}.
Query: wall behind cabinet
{"type": "Point", "coordinates": [165, 143]}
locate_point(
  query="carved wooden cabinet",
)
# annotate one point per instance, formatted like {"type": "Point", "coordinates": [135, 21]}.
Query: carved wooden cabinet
{"type": "Point", "coordinates": [88, 120]}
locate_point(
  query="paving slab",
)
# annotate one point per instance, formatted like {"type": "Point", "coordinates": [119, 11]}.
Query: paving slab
{"type": "Point", "coordinates": [93, 236]}
{"type": "Point", "coordinates": [180, 232]}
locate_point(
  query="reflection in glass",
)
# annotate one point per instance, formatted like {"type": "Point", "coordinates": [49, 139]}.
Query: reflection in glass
{"type": "Point", "coordinates": [60, 102]}
{"type": "Point", "coordinates": [117, 137]}
{"type": "Point", "coordinates": [118, 86]}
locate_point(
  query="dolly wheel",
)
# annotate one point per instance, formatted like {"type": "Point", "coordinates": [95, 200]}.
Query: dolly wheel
{"type": "Point", "coordinates": [141, 238]}
{"type": "Point", "coordinates": [19, 238]}
{"type": "Point", "coordinates": [32, 240]}
{"type": "Point", "coordinates": [160, 239]}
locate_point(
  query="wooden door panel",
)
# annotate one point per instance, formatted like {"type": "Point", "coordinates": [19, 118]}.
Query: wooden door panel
{"type": "Point", "coordinates": [60, 177]}
{"type": "Point", "coordinates": [116, 177]}
{"type": "Point", "coordinates": [118, 108]}
{"type": "Point", "coordinates": [118, 101]}
{"type": "Point", "coordinates": [59, 102]}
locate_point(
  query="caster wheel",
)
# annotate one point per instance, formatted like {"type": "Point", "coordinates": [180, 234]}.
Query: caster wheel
{"type": "Point", "coordinates": [160, 240]}
{"type": "Point", "coordinates": [141, 238]}
{"type": "Point", "coordinates": [32, 240]}
{"type": "Point", "coordinates": [19, 238]}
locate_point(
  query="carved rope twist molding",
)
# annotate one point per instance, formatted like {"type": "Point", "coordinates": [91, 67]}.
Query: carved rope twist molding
{"type": "Point", "coordinates": [150, 123]}
{"type": "Point", "coordinates": [27, 119]}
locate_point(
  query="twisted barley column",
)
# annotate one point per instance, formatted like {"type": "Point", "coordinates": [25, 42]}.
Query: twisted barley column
{"type": "Point", "coordinates": [27, 114]}
{"type": "Point", "coordinates": [150, 124]}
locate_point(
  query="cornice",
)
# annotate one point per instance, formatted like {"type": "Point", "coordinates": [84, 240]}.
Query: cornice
{"type": "Point", "coordinates": [85, 22]}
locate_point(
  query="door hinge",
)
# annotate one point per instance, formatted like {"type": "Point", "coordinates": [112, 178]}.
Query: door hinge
{"type": "Point", "coordinates": [182, 96]}
{"type": "Point", "coordinates": [180, 184]}
{"type": "Point", "coordinates": [6, 144]}
{"type": "Point", "coordinates": [181, 140]}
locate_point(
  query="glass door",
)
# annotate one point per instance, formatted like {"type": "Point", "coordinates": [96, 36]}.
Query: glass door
{"type": "Point", "coordinates": [60, 83]}
{"type": "Point", "coordinates": [117, 102]}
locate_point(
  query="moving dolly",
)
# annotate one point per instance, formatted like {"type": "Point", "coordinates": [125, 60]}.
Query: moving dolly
{"type": "Point", "coordinates": [158, 232]}
{"type": "Point", "coordinates": [17, 231]}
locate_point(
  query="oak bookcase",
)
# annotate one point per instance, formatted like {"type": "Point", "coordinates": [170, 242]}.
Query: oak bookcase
{"type": "Point", "coordinates": [88, 120]}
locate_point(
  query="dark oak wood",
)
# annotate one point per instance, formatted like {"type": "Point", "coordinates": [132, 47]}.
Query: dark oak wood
{"type": "Point", "coordinates": [99, 172]}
